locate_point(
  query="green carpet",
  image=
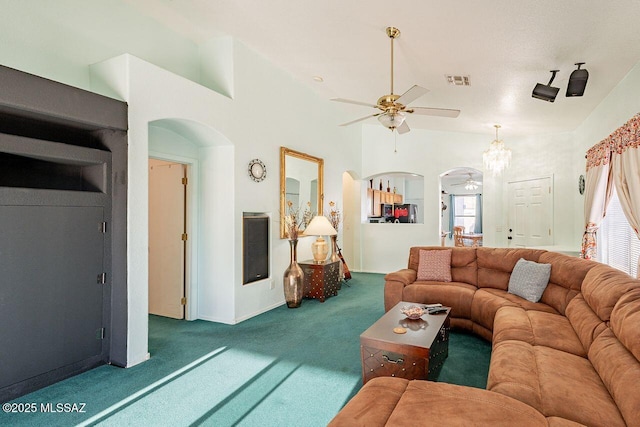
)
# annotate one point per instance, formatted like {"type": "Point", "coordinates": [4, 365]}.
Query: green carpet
{"type": "Point", "coordinates": [287, 367]}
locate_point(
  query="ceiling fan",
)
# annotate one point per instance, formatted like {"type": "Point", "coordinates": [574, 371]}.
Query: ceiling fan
{"type": "Point", "coordinates": [469, 183]}
{"type": "Point", "coordinates": [394, 107]}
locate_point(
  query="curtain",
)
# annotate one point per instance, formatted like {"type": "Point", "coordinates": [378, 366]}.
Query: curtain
{"type": "Point", "coordinates": [625, 165]}
{"type": "Point", "coordinates": [597, 193]}
{"type": "Point", "coordinates": [478, 227]}
{"type": "Point", "coordinates": [452, 214]}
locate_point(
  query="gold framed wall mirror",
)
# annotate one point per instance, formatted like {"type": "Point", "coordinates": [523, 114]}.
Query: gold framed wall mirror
{"type": "Point", "coordinates": [301, 183]}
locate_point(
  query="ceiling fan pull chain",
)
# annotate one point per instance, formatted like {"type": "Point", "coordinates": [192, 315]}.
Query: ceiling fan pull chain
{"type": "Point", "coordinates": [395, 142]}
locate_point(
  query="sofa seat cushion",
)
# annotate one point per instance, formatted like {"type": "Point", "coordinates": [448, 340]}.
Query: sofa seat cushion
{"type": "Point", "coordinates": [556, 383]}
{"type": "Point", "coordinates": [487, 301]}
{"type": "Point", "coordinates": [562, 422]}
{"type": "Point", "coordinates": [451, 294]}
{"type": "Point", "coordinates": [431, 403]}
{"type": "Point", "coordinates": [373, 404]}
{"type": "Point", "coordinates": [536, 328]}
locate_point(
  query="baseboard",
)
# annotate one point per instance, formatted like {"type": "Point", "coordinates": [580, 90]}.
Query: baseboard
{"type": "Point", "coordinates": [243, 318]}
{"type": "Point", "coordinates": [264, 310]}
{"type": "Point", "coordinates": [21, 388]}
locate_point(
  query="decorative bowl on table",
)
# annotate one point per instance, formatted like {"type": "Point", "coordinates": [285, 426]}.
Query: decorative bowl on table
{"type": "Point", "coordinates": [413, 312]}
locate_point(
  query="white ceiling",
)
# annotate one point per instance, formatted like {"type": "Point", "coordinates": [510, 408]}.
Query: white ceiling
{"type": "Point", "coordinates": [505, 46]}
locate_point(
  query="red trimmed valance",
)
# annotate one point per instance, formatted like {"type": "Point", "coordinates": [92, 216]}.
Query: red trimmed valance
{"type": "Point", "coordinates": [599, 154]}
{"type": "Point", "coordinates": [626, 136]}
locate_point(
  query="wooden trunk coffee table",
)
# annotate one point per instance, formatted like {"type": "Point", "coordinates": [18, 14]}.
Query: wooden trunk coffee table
{"type": "Point", "coordinates": [417, 354]}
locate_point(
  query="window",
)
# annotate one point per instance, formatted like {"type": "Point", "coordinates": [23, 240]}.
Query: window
{"type": "Point", "coordinates": [465, 212]}
{"type": "Point", "coordinates": [618, 244]}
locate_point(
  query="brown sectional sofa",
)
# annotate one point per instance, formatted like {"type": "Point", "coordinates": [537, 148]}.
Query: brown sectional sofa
{"type": "Point", "coordinates": [571, 359]}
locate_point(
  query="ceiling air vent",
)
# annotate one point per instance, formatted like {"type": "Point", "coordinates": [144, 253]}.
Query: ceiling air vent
{"type": "Point", "coordinates": [458, 80]}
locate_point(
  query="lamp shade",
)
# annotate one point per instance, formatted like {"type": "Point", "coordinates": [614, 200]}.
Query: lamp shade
{"type": "Point", "coordinates": [320, 226]}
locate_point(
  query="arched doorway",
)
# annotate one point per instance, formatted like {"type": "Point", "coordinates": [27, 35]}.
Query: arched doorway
{"type": "Point", "coordinates": [461, 192]}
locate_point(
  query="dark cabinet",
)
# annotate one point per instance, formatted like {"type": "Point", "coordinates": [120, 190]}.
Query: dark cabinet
{"type": "Point", "coordinates": [320, 279]}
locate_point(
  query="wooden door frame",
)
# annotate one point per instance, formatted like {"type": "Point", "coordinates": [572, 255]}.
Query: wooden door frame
{"type": "Point", "coordinates": [191, 259]}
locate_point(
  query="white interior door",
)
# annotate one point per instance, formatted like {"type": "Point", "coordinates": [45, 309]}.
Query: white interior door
{"type": "Point", "coordinates": [166, 246]}
{"type": "Point", "coordinates": [530, 213]}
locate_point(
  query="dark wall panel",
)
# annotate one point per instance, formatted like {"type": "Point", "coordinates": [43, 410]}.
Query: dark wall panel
{"type": "Point", "coordinates": [63, 154]}
{"type": "Point", "coordinates": [50, 301]}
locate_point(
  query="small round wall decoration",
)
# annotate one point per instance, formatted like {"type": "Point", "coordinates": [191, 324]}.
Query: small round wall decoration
{"type": "Point", "coordinates": [257, 170]}
{"type": "Point", "coordinates": [581, 184]}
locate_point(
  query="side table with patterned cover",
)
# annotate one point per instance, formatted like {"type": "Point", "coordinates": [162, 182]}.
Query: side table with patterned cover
{"type": "Point", "coordinates": [320, 279]}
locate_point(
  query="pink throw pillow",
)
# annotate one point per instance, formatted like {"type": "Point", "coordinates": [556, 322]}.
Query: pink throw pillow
{"type": "Point", "coordinates": [435, 265]}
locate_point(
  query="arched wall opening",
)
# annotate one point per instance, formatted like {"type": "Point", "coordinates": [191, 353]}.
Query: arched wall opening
{"type": "Point", "coordinates": [352, 214]}
{"type": "Point", "coordinates": [209, 289]}
{"type": "Point", "coordinates": [461, 203]}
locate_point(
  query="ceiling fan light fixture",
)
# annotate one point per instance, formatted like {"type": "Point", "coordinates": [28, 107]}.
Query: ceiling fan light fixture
{"type": "Point", "coordinates": [392, 120]}
{"type": "Point", "coordinates": [470, 185]}
{"type": "Point", "coordinates": [392, 107]}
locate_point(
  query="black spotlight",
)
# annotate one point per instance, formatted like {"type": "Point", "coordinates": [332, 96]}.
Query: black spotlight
{"type": "Point", "coordinates": [546, 92]}
{"type": "Point", "coordinates": [577, 81]}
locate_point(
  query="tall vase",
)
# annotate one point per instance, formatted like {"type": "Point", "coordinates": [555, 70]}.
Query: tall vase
{"type": "Point", "coordinates": [293, 279]}
{"type": "Point", "coordinates": [334, 257]}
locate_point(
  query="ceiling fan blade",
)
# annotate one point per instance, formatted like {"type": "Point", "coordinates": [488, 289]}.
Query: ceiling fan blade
{"type": "Point", "coordinates": [412, 94]}
{"type": "Point", "coordinates": [403, 128]}
{"type": "Point", "coordinates": [350, 101]}
{"type": "Point", "coordinates": [440, 112]}
{"type": "Point", "coordinates": [360, 119]}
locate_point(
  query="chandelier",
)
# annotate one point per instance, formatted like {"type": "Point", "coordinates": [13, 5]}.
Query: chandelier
{"type": "Point", "coordinates": [497, 158]}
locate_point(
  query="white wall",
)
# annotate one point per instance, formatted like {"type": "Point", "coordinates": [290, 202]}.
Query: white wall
{"type": "Point", "coordinates": [543, 155]}
{"type": "Point", "coordinates": [385, 247]}
{"type": "Point", "coordinates": [238, 130]}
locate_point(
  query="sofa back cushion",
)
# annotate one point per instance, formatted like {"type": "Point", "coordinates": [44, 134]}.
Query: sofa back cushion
{"type": "Point", "coordinates": [615, 353]}
{"type": "Point", "coordinates": [625, 322]}
{"type": "Point", "coordinates": [496, 264]}
{"type": "Point", "coordinates": [584, 321]}
{"type": "Point", "coordinates": [603, 286]}
{"type": "Point", "coordinates": [567, 274]}
{"type": "Point", "coordinates": [463, 262]}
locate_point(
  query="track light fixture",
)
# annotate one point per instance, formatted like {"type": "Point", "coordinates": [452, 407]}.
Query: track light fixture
{"type": "Point", "coordinates": [546, 92]}
{"type": "Point", "coordinates": [577, 81]}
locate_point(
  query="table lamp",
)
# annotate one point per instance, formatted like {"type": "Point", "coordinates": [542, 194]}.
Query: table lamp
{"type": "Point", "coordinates": [320, 226]}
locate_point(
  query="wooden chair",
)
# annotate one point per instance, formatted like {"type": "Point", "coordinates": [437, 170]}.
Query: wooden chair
{"type": "Point", "coordinates": [457, 235]}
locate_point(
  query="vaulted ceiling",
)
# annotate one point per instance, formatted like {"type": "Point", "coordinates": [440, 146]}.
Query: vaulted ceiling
{"type": "Point", "coordinates": [504, 46]}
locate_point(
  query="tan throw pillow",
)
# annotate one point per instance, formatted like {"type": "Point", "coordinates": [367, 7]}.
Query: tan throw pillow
{"type": "Point", "coordinates": [435, 265]}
